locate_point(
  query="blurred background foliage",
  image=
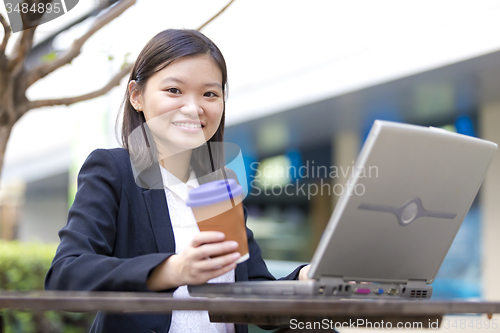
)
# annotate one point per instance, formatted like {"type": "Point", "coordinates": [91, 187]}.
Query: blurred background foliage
{"type": "Point", "coordinates": [22, 268]}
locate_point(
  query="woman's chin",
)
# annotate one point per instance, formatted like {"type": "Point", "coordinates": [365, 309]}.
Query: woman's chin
{"type": "Point", "coordinates": [188, 145]}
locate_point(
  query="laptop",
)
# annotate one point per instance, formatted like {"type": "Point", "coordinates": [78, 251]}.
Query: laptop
{"type": "Point", "coordinates": [409, 192]}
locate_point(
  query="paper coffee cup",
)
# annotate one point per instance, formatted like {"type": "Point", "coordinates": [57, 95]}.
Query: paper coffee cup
{"type": "Point", "coordinates": [217, 206]}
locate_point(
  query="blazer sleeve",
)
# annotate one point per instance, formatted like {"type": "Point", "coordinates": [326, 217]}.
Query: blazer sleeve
{"type": "Point", "coordinates": [84, 259]}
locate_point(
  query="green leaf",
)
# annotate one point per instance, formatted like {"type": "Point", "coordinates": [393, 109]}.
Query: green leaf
{"type": "Point", "coordinates": [51, 56]}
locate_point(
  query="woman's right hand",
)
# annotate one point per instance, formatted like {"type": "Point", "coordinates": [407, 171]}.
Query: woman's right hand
{"type": "Point", "coordinates": [196, 264]}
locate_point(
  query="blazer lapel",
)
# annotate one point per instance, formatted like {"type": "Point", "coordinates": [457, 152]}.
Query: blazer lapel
{"type": "Point", "coordinates": [156, 203]}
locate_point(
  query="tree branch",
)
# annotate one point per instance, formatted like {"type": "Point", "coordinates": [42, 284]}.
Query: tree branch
{"type": "Point", "coordinates": [115, 81]}
{"type": "Point", "coordinates": [6, 36]}
{"type": "Point", "coordinates": [24, 44]}
{"type": "Point", "coordinates": [213, 17]}
{"type": "Point", "coordinates": [44, 69]}
{"type": "Point", "coordinates": [22, 49]}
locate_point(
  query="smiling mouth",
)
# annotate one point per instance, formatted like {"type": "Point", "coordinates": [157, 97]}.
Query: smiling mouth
{"type": "Point", "coordinates": [188, 125]}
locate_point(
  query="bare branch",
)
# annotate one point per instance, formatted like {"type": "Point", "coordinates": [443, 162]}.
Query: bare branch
{"type": "Point", "coordinates": [115, 81]}
{"type": "Point", "coordinates": [22, 49]}
{"type": "Point", "coordinates": [44, 69]}
{"type": "Point", "coordinates": [6, 36]}
{"type": "Point", "coordinates": [213, 17]}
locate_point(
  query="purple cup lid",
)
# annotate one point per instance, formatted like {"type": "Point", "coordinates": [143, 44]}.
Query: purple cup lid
{"type": "Point", "coordinates": [214, 192]}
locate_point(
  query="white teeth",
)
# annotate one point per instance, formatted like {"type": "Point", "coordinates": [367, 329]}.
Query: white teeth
{"type": "Point", "coordinates": [188, 125]}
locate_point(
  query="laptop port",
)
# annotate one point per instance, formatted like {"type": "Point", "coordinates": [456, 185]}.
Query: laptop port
{"type": "Point", "coordinates": [347, 288]}
{"type": "Point", "coordinates": [379, 291]}
{"type": "Point", "coordinates": [363, 291]}
{"type": "Point", "coordinates": [392, 291]}
{"type": "Point", "coordinates": [321, 290]}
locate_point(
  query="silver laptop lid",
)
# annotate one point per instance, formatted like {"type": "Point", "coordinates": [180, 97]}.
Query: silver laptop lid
{"type": "Point", "coordinates": [404, 203]}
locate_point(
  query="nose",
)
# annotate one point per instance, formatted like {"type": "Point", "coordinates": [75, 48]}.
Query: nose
{"type": "Point", "coordinates": [191, 108]}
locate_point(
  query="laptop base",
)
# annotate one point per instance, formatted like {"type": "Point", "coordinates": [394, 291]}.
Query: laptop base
{"type": "Point", "coordinates": [328, 288]}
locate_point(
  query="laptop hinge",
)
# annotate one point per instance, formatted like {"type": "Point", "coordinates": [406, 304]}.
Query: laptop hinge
{"type": "Point", "coordinates": [416, 284]}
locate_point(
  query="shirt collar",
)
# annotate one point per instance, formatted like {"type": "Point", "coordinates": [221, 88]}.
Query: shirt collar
{"type": "Point", "coordinates": [177, 186]}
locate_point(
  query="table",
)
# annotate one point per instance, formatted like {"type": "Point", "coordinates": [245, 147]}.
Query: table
{"type": "Point", "coordinates": [248, 309]}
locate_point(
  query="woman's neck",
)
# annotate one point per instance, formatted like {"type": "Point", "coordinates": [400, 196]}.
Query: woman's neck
{"type": "Point", "coordinates": [178, 164]}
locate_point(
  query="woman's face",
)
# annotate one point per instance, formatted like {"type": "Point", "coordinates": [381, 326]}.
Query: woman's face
{"type": "Point", "coordinates": [182, 103]}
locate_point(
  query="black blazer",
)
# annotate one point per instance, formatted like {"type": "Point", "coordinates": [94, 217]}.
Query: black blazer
{"type": "Point", "coordinates": [117, 233]}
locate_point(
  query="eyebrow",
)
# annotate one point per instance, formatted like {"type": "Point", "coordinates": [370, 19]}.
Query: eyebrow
{"type": "Point", "coordinates": [210, 84]}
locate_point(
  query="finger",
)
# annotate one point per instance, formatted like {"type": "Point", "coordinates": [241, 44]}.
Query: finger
{"type": "Point", "coordinates": [205, 237]}
{"type": "Point", "coordinates": [214, 249]}
{"type": "Point", "coordinates": [216, 263]}
{"type": "Point", "coordinates": [304, 271]}
{"type": "Point", "coordinates": [208, 275]}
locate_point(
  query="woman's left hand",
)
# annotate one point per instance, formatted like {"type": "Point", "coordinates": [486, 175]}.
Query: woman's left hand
{"type": "Point", "coordinates": [303, 273]}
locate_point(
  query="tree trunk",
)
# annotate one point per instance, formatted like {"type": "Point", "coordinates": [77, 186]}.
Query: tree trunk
{"type": "Point", "coordinates": [7, 110]}
{"type": "Point", "coordinates": [4, 138]}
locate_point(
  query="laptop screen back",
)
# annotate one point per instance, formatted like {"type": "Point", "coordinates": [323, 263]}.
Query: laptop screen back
{"type": "Point", "coordinates": [408, 194]}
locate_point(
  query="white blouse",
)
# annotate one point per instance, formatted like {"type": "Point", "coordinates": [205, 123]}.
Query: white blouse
{"type": "Point", "coordinates": [185, 228]}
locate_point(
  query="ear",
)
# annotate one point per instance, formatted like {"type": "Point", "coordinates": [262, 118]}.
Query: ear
{"type": "Point", "coordinates": [135, 95]}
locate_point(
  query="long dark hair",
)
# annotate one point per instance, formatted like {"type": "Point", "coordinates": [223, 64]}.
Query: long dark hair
{"type": "Point", "coordinates": [164, 48]}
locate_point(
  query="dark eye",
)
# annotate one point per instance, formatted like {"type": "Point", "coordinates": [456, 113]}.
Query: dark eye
{"type": "Point", "coordinates": [174, 90]}
{"type": "Point", "coordinates": [210, 94]}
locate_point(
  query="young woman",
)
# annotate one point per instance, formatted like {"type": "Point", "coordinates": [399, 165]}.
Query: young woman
{"type": "Point", "coordinates": [129, 228]}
